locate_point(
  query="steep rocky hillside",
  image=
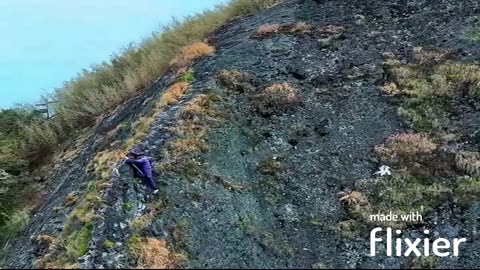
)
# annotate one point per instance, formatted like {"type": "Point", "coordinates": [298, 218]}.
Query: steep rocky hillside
{"type": "Point", "coordinates": [267, 149]}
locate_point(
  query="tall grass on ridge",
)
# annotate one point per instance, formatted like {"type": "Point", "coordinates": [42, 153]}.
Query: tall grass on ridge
{"type": "Point", "coordinates": [99, 90]}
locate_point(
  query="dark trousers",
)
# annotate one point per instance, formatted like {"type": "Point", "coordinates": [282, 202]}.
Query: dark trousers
{"type": "Point", "coordinates": [150, 181]}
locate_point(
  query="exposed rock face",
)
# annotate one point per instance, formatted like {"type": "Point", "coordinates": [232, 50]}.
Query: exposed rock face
{"type": "Point", "coordinates": [268, 195]}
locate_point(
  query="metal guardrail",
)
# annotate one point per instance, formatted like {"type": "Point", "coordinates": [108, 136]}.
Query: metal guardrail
{"type": "Point", "coordinates": [45, 108]}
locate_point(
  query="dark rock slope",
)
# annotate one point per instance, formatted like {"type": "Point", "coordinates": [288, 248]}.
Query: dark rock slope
{"type": "Point", "coordinates": [268, 195]}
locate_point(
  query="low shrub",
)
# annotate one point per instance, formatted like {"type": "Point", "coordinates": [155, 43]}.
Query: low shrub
{"type": "Point", "coordinates": [277, 98]}
{"type": "Point", "coordinates": [272, 166]}
{"type": "Point", "coordinates": [236, 81]}
{"type": "Point", "coordinates": [431, 87]}
{"type": "Point", "coordinates": [468, 162]}
{"type": "Point", "coordinates": [401, 148]}
{"type": "Point", "coordinates": [14, 223]}
{"type": "Point", "coordinates": [187, 77]}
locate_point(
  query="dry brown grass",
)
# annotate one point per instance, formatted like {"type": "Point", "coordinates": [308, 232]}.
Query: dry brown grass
{"type": "Point", "coordinates": [190, 129]}
{"type": "Point", "coordinates": [171, 96]}
{"type": "Point", "coordinates": [194, 121]}
{"type": "Point", "coordinates": [405, 146]}
{"type": "Point", "coordinates": [200, 109]}
{"type": "Point", "coordinates": [278, 98]}
{"type": "Point", "coordinates": [153, 253]}
{"type": "Point", "coordinates": [175, 93]}
{"type": "Point", "coordinates": [45, 239]}
{"type": "Point", "coordinates": [141, 222]}
{"type": "Point", "coordinates": [43, 263]}
{"type": "Point", "coordinates": [425, 56]}
{"type": "Point", "coordinates": [391, 89]}
{"type": "Point", "coordinates": [272, 166]}
{"type": "Point", "coordinates": [105, 161]}
{"type": "Point", "coordinates": [469, 162]}
{"type": "Point", "coordinates": [236, 81]}
{"type": "Point", "coordinates": [268, 30]}
{"type": "Point", "coordinates": [188, 54]}
{"type": "Point", "coordinates": [331, 30]}
{"type": "Point", "coordinates": [185, 146]}
{"type": "Point", "coordinates": [353, 198]}
{"type": "Point", "coordinates": [282, 93]}
{"type": "Point", "coordinates": [70, 200]}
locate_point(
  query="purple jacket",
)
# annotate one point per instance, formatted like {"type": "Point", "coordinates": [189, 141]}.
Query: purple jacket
{"type": "Point", "coordinates": [143, 164]}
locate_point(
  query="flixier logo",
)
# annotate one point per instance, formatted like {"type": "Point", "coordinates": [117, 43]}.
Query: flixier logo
{"type": "Point", "coordinates": [440, 247]}
{"type": "Point", "coordinates": [405, 247]}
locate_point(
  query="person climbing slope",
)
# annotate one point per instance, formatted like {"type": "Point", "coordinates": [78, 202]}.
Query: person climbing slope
{"type": "Point", "coordinates": [142, 168]}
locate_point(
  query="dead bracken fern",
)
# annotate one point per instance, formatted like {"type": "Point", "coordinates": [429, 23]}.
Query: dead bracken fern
{"type": "Point", "coordinates": [175, 93]}
{"type": "Point", "coordinates": [188, 54]}
{"type": "Point", "coordinates": [352, 198]}
{"type": "Point", "coordinates": [153, 253]}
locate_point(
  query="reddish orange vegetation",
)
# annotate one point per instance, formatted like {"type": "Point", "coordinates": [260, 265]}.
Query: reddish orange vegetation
{"type": "Point", "coordinates": [154, 254]}
{"type": "Point", "coordinates": [283, 93]}
{"type": "Point", "coordinates": [175, 93]}
{"type": "Point", "coordinates": [188, 54]}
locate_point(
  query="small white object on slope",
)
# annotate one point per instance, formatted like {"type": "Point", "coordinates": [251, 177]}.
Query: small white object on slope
{"type": "Point", "coordinates": [384, 170]}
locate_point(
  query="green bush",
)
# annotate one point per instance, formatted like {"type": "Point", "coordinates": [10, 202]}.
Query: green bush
{"type": "Point", "coordinates": [188, 77]}
{"type": "Point", "coordinates": [12, 123]}
{"type": "Point", "coordinates": [15, 222]}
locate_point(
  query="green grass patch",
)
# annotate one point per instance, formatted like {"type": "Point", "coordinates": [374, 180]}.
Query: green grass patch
{"type": "Point", "coordinates": [127, 206]}
{"type": "Point", "coordinates": [188, 77]}
{"type": "Point", "coordinates": [76, 243]}
{"type": "Point", "coordinates": [108, 244]}
{"type": "Point", "coordinates": [426, 89]}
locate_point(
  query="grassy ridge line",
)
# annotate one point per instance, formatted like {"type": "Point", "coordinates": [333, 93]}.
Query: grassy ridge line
{"type": "Point", "coordinates": [93, 93]}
